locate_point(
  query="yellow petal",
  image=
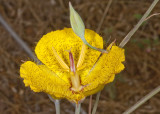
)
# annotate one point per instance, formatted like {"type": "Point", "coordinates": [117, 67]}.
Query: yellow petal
{"type": "Point", "coordinates": [91, 56]}
{"type": "Point", "coordinates": [41, 79]}
{"type": "Point", "coordinates": [62, 40]}
{"type": "Point", "coordinates": [105, 69]}
{"type": "Point", "coordinates": [93, 91]}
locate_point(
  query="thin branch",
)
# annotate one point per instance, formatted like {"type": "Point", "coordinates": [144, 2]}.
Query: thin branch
{"type": "Point", "coordinates": [17, 38]}
{"type": "Point", "coordinates": [129, 35]}
{"type": "Point", "coordinates": [143, 100]}
{"type": "Point", "coordinates": [104, 15]}
{"type": "Point", "coordinates": [57, 104]}
{"type": "Point", "coordinates": [62, 3]}
{"type": "Point", "coordinates": [96, 103]}
{"type": "Point", "coordinates": [78, 108]}
{"type": "Point", "coordinates": [151, 16]}
{"type": "Point", "coordinates": [90, 105]}
{"type": "Point", "coordinates": [26, 49]}
{"type": "Point", "coordinates": [82, 110]}
{"type": "Point", "coordinates": [22, 44]}
{"type": "Point", "coordinates": [98, 29]}
{"type": "Point", "coordinates": [35, 15]}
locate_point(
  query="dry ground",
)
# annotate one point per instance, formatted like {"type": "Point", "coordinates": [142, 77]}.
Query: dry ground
{"type": "Point", "coordinates": [33, 18]}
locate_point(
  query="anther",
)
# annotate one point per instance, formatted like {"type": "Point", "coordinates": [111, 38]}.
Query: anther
{"type": "Point", "coordinates": [82, 55]}
{"type": "Point", "coordinates": [59, 59]}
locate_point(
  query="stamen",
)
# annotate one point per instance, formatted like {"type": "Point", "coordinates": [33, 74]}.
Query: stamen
{"type": "Point", "coordinates": [110, 46]}
{"type": "Point", "coordinates": [59, 59]}
{"type": "Point", "coordinates": [82, 55]}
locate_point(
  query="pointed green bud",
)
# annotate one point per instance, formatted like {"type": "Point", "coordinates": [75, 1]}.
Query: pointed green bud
{"type": "Point", "coordinates": [76, 22]}
{"type": "Point", "coordinates": [79, 27]}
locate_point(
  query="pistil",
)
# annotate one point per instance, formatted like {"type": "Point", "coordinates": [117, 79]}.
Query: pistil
{"type": "Point", "coordinates": [76, 86]}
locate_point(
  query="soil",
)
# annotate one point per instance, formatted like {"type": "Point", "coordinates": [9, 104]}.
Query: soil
{"type": "Point", "coordinates": [31, 19]}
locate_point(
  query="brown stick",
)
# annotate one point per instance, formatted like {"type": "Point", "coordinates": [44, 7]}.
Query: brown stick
{"type": "Point", "coordinates": [130, 34]}
{"type": "Point", "coordinates": [104, 15]}
{"type": "Point", "coordinates": [90, 105]}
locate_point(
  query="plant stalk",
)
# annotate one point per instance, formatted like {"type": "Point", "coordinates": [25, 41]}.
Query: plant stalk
{"type": "Point", "coordinates": [143, 100]}
{"type": "Point", "coordinates": [77, 108]}
{"type": "Point", "coordinates": [130, 34]}
{"type": "Point", "coordinates": [56, 103]}
{"type": "Point", "coordinates": [90, 105]}
{"type": "Point", "coordinates": [96, 103]}
{"type": "Point", "coordinates": [17, 38]}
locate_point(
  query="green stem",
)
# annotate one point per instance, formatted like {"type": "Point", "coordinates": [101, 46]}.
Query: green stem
{"type": "Point", "coordinates": [57, 104]}
{"type": "Point", "coordinates": [143, 100]}
{"type": "Point", "coordinates": [98, 49]}
{"type": "Point", "coordinates": [96, 103]}
{"type": "Point", "coordinates": [77, 108]}
{"type": "Point", "coordinates": [130, 34]}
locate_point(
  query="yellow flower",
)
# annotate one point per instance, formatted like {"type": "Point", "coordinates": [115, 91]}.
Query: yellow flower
{"type": "Point", "coordinates": [70, 69]}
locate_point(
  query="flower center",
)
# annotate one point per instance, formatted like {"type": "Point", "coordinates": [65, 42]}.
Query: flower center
{"type": "Point", "coordinates": [76, 86]}
{"type": "Point", "coordinates": [75, 80]}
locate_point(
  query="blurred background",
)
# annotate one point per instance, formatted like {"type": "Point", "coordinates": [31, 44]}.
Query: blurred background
{"type": "Point", "coordinates": [31, 19]}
